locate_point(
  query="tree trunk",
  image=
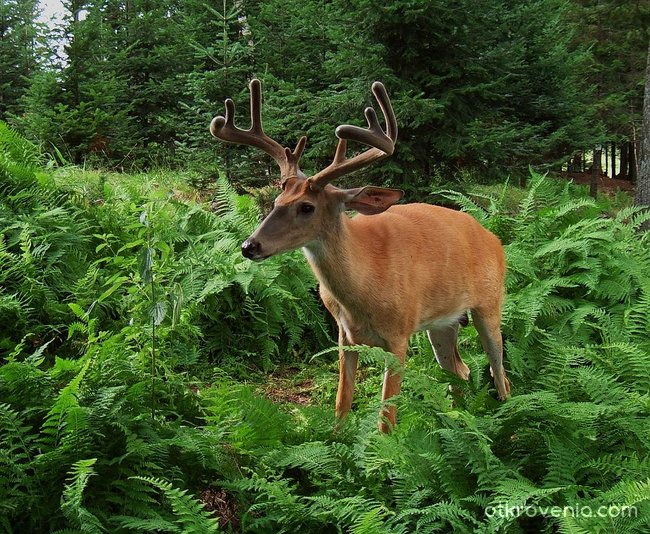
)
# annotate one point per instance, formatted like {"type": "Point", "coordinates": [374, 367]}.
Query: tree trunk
{"type": "Point", "coordinates": [624, 166]}
{"type": "Point", "coordinates": [632, 161]}
{"type": "Point", "coordinates": [575, 165]}
{"type": "Point", "coordinates": [642, 197]}
{"type": "Point", "coordinates": [613, 159]}
{"type": "Point", "coordinates": [606, 159]}
{"type": "Point", "coordinates": [595, 172]}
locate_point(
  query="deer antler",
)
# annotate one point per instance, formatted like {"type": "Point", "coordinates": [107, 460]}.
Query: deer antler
{"type": "Point", "coordinates": [382, 143]}
{"type": "Point", "coordinates": [224, 128]}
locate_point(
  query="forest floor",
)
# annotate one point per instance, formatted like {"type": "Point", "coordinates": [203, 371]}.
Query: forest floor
{"type": "Point", "coordinates": [288, 385]}
{"type": "Point", "coordinates": [605, 183]}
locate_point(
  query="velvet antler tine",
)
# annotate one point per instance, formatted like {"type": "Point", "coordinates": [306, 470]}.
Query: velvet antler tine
{"type": "Point", "coordinates": [224, 128]}
{"type": "Point", "coordinates": [382, 142]}
{"type": "Point", "coordinates": [256, 107]}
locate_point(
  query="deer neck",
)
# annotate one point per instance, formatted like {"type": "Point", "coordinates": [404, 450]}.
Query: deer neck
{"type": "Point", "coordinates": [334, 257]}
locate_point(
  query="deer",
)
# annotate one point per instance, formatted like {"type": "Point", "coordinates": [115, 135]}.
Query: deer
{"type": "Point", "coordinates": [390, 270]}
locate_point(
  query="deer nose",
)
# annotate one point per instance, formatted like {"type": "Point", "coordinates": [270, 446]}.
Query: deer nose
{"type": "Point", "coordinates": [251, 248]}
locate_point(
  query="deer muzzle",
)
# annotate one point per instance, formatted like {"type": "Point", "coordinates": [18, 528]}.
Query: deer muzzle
{"type": "Point", "coordinates": [252, 249]}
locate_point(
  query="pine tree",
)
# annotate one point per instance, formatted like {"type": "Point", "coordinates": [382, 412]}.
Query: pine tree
{"type": "Point", "coordinates": [20, 47]}
{"type": "Point", "coordinates": [617, 33]}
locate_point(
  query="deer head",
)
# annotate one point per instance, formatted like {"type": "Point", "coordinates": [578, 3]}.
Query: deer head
{"type": "Point", "coordinates": [308, 207]}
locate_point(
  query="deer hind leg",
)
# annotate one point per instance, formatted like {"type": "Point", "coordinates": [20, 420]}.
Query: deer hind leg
{"type": "Point", "coordinates": [348, 361]}
{"type": "Point", "coordinates": [392, 386]}
{"type": "Point", "coordinates": [443, 342]}
{"type": "Point", "coordinates": [487, 324]}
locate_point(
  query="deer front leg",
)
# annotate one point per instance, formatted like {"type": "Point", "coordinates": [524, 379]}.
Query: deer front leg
{"type": "Point", "coordinates": [347, 370]}
{"type": "Point", "coordinates": [392, 387]}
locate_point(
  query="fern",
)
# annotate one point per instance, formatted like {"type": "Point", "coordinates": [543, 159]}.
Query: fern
{"type": "Point", "coordinates": [62, 418]}
{"type": "Point", "coordinates": [71, 500]}
{"type": "Point", "coordinates": [80, 449]}
{"type": "Point", "coordinates": [189, 513]}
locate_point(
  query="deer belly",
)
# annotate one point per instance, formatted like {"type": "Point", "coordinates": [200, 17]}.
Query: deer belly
{"type": "Point", "coordinates": [440, 323]}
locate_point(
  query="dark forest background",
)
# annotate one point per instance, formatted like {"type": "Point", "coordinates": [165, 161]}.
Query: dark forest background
{"type": "Point", "coordinates": [486, 88]}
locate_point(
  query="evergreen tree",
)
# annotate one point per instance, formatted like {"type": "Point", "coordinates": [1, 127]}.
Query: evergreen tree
{"type": "Point", "coordinates": [504, 79]}
{"type": "Point", "coordinates": [221, 59]}
{"type": "Point", "coordinates": [491, 87]}
{"type": "Point", "coordinates": [149, 51]}
{"type": "Point", "coordinates": [617, 33]}
{"type": "Point", "coordinates": [20, 47]}
{"type": "Point", "coordinates": [81, 107]}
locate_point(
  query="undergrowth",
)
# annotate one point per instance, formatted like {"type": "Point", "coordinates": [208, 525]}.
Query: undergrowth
{"type": "Point", "coordinates": [131, 325]}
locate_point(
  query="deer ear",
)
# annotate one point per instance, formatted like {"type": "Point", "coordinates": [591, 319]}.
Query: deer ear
{"type": "Point", "coordinates": [371, 200]}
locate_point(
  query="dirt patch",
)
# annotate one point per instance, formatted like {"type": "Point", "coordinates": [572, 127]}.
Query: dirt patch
{"type": "Point", "coordinates": [605, 183]}
{"type": "Point", "coordinates": [222, 506]}
{"type": "Point", "coordinates": [283, 387]}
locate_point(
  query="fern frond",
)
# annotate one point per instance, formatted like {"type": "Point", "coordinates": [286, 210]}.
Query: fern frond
{"type": "Point", "coordinates": [190, 514]}
{"type": "Point", "coordinates": [71, 500]}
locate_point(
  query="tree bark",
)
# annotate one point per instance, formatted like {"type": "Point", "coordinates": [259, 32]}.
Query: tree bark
{"type": "Point", "coordinates": [575, 165]}
{"type": "Point", "coordinates": [613, 153]}
{"type": "Point", "coordinates": [642, 197]}
{"type": "Point", "coordinates": [624, 166]}
{"type": "Point", "coordinates": [632, 161]}
{"type": "Point", "coordinates": [606, 149]}
{"type": "Point", "coordinates": [595, 172]}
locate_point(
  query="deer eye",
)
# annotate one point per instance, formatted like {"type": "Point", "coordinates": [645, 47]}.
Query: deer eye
{"type": "Point", "coordinates": [306, 208]}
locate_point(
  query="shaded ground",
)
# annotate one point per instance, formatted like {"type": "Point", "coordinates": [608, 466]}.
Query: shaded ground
{"type": "Point", "coordinates": [282, 387]}
{"type": "Point", "coordinates": [222, 506]}
{"type": "Point", "coordinates": [605, 183]}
